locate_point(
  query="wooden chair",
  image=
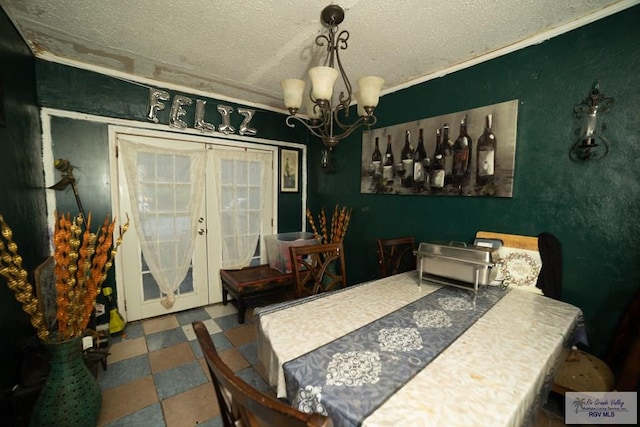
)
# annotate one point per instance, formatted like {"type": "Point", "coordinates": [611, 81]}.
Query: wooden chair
{"type": "Point", "coordinates": [396, 255]}
{"type": "Point", "coordinates": [318, 268]}
{"type": "Point", "coordinates": [241, 404]}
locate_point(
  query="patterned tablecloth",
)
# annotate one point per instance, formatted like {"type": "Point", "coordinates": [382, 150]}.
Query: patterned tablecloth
{"type": "Point", "coordinates": [490, 372]}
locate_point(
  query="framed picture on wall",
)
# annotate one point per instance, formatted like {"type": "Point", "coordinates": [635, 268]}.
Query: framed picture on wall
{"type": "Point", "coordinates": [289, 171]}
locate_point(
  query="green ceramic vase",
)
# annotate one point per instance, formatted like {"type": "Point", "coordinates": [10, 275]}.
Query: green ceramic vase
{"type": "Point", "coordinates": [70, 396]}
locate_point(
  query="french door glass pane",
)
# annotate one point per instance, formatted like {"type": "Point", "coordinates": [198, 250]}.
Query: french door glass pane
{"type": "Point", "coordinates": [150, 289]}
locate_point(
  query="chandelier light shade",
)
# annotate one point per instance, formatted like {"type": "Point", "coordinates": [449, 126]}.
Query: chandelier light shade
{"type": "Point", "coordinates": [359, 107]}
{"type": "Point", "coordinates": [293, 90]}
{"type": "Point", "coordinates": [327, 118]}
{"type": "Point", "coordinates": [322, 81]}
{"type": "Point", "coordinates": [370, 88]}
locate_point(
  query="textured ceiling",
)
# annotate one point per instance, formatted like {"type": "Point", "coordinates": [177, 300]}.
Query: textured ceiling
{"type": "Point", "coordinates": [242, 49]}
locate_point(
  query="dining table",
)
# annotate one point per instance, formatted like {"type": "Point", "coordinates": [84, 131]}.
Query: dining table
{"type": "Point", "coordinates": [398, 351]}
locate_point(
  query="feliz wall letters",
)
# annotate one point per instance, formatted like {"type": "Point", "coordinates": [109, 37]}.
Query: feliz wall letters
{"type": "Point", "coordinates": [156, 96]}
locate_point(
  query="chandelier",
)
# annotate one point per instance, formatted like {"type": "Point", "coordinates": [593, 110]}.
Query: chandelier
{"type": "Point", "coordinates": [326, 118]}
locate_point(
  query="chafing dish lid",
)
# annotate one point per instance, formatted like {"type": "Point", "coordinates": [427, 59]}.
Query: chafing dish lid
{"type": "Point", "coordinates": [458, 251]}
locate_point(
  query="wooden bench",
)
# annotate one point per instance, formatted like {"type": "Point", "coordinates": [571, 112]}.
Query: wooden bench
{"type": "Point", "coordinates": [253, 282]}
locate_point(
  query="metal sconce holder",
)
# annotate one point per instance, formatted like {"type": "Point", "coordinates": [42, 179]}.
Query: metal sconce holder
{"type": "Point", "coordinates": [591, 144]}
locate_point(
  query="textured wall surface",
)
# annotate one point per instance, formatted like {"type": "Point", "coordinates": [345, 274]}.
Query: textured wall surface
{"type": "Point", "coordinates": [22, 197]}
{"type": "Point", "coordinates": [591, 207]}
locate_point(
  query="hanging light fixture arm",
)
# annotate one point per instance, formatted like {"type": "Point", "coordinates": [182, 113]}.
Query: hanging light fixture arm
{"type": "Point", "coordinates": [319, 128]}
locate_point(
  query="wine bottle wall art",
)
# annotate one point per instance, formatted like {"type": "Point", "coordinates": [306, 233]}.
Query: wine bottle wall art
{"type": "Point", "coordinates": [466, 153]}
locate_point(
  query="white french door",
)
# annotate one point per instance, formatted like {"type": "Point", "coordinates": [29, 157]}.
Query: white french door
{"type": "Point", "coordinates": [201, 286]}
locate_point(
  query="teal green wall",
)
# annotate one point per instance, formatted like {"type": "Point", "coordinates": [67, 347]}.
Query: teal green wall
{"type": "Point", "coordinates": [73, 140]}
{"type": "Point", "coordinates": [22, 197]}
{"type": "Point", "coordinates": [86, 143]}
{"type": "Point", "coordinates": [592, 207]}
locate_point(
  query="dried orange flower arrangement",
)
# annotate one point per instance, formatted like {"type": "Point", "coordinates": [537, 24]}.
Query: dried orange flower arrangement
{"type": "Point", "coordinates": [339, 223]}
{"type": "Point", "coordinates": [82, 260]}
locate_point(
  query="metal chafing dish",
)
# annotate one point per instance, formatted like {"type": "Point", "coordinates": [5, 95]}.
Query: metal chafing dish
{"type": "Point", "coordinates": [456, 264]}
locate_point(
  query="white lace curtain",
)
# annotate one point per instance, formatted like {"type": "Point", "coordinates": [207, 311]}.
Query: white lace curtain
{"type": "Point", "coordinates": [240, 180]}
{"type": "Point", "coordinates": [167, 187]}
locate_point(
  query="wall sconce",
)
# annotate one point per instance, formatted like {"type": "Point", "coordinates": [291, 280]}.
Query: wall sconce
{"type": "Point", "coordinates": [591, 144]}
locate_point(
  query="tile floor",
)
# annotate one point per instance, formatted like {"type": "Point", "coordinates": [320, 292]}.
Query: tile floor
{"type": "Point", "coordinates": [156, 375]}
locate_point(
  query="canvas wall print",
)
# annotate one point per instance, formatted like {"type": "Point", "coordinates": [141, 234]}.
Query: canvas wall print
{"type": "Point", "coordinates": [466, 153]}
